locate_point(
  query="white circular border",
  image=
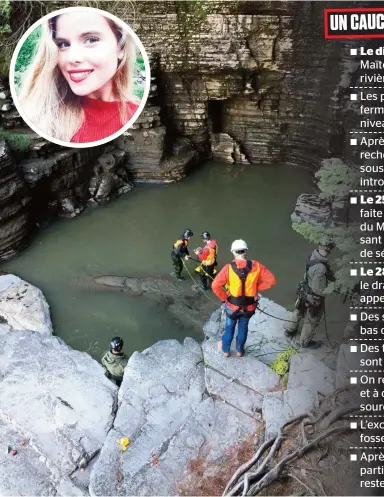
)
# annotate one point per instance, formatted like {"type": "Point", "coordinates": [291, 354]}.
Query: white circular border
{"type": "Point", "coordinates": [121, 130]}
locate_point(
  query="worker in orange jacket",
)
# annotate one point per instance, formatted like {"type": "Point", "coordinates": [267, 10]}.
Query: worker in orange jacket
{"type": "Point", "coordinates": [207, 256]}
{"type": "Point", "coordinates": [243, 279]}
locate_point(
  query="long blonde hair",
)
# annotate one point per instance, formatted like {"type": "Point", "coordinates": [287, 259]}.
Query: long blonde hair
{"type": "Point", "coordinates": [47, 99]}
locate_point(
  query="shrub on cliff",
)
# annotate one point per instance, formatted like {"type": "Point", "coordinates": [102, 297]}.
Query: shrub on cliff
{"type": "Point", "coordinates": [335, 180]}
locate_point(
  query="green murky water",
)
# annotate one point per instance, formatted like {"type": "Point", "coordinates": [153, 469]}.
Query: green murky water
{"type": "Point", "coordinates": [134, 234]}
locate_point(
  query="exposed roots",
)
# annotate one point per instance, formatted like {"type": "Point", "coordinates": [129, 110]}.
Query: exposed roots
{"type": "Point", "coordinates": [251, 479]}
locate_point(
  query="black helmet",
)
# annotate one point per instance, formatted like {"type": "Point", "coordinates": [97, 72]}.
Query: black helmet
{"type": "Point", "coordinates": [187, 233]}
{"type": "Point", "coordinates": [116, 344]}
{"type": "Point", "coordinates": [205, 235]}
{"type": "Point", "coordinates": [327, 244]}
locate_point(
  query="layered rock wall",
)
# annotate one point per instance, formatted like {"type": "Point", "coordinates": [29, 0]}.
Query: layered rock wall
{"type": "Point", "coordinates": [260, 72]}
{"type": "Point", "coordinates": [243, 82]}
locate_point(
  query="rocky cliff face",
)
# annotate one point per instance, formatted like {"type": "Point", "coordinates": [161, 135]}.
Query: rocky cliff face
{"type": "Point", "coordinates": [260, 72]}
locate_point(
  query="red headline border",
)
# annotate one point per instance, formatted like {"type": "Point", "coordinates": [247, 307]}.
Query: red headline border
{"type": "Point", "coordinates": [338, 37]}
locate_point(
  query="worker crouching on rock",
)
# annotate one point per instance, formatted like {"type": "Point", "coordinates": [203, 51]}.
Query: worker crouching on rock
{"type": "Point", "coordinates": [207, 256]}
{"type": "Point", "coordinates": [180, 251]}
{"type": "Point", "coordinates": [311, 297]}
{"type": "Point", "coordinates": [243, 279]}
{"type": "Point", "coordinates": [115, 361]}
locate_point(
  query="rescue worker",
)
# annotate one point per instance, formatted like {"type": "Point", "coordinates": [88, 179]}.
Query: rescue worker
{"type": "Point", "coordinates": [311, 297]}
{"type": "Point", "coordinates": [180, 250]}
{"type": "Point", "coordinates": [115, 361]}
{"type": "Point", "coordinates": [243, 278]}
{"type": "Point", "coordinates": [207, 256]}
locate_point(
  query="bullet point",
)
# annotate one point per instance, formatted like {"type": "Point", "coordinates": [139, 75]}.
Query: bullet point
{"type": "Point", "coordinates": [353, 348]}
{"type": "Point", "coordinates": [353, 381]}
{"type": "Point", "coordinates": [353, 96]}
{"type": "Point", "coordinates": [353, 141]}
{"type": "Point", "coordinates": [353, 272]}
{"type": "Point", "coordinates": [353, 317]}
{"type": "Point", "coordinates": [353, 425]}
{"type": "Point", "coordinates": [353, 200]}
{"type": "Point", "coordinates": [353, 457]}
{"type": "Point", "coordinates": [353, 51]}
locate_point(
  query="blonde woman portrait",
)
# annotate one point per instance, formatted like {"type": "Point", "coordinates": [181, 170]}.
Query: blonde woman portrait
{"type": "Point", "coordinates": [78, 87]}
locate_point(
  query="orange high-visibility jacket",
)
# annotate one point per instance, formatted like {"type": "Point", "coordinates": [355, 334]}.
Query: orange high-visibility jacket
{"type": "Point", "coordinates": [208, 254]}
{"type": "Point", "coordinates": [259, 278]}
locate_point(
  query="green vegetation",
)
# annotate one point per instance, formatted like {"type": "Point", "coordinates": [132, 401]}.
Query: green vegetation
{"type": "Point", "coordinates": [16, 141]}
{"type": "Point", "coordinates": [138, 78]}
{"type": "Point", "coordinates": [5, 11]}
{"type": "Point", "coordinates": [281, 364]}
{"type": "Point", "coordinates": [190, 15]}
{"type": "Point", "coordinates": [26, 54]}
{"type": "Point", "coordinates": [335, 180]}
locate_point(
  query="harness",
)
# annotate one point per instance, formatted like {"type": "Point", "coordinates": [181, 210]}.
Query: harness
{"type": "Point", "coordinates": [181, 241]}
{"type": "Point", "coordinates": [243, 301]}
{"type": "Point", "coordinates": [304, 289]}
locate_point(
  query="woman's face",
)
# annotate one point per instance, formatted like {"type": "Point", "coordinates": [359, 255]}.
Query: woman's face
{"type": "Point", "coordinates": [88, 53]}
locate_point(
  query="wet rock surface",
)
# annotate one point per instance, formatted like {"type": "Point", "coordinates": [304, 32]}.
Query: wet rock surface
{"type": "Point", "coordinates": [183, 301]}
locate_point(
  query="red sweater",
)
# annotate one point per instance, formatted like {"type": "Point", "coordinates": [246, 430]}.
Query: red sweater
{"type": "Point", "coordinates": [102, 119]}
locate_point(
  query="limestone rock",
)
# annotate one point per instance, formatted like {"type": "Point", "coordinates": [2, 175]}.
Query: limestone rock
{"type": "Point", "coordinates": [280, 407]}
{"type": "Point", "coordinates": [59, 401]}
{"type": "Point", "coordinates": [253, 374]}
{"type": "Point", "coordinates": [266, 338]}
{"type": "Point", "coordinates": [312, 209]}
{"type": "Point", "coordinates": [349, 361]}
{"type": "Point", "coordinates": [152, 408]}
{"type": "Point", "coordinates": [169, 422]}
{"type": "Point", "coordinates": [201, 439]}
{"type": "Point", "coordinates": [14, 204]}
{"type": "Point", "coordinates": [23, 306]}
{"type": "Point", "coordinates": [306, 371]}
{"type": "Point", "coordinates": [234, 394]}
{"type": "Point", "coordinates": [23, 474]}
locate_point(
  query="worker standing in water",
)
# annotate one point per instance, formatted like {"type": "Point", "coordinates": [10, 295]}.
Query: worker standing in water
{"type": "Point", "coordinates": [243, 279]}
{"type": "Point", "coordinates": [207, 256]}
{"type": "Point", "coordinates": [115, 361]}
{"type": "Point", "coordinates": [180, 251]}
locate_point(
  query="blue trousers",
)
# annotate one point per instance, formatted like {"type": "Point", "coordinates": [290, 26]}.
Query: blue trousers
{"type": "Point", "coordinates": [242, 332]}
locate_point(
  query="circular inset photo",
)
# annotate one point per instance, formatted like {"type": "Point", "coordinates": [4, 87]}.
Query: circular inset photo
{"type": "Point", "coordinates": [80, 77]}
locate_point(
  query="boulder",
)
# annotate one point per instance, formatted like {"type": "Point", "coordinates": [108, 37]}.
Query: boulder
{"type": "Point", "coordinates": [246, 370]}
{"type": "Point", "coordinates": [280, 407]}
{"type": "Point", "coordinates": [170, 421]}
{"type": "Point", "coordinates": [162, 386]}
{"type": "Point", "coordinates": [308, 372]}
{"type": "Point", "coordinates": [349, 361]}
{"type": "Point", "coordinates": [59, 402]}
{"type": "Point", "coordinates": [266, 338]}
{"type": "Point", "coordinates": [312, 209]}
{"type": "Point", "coordinates": [22, 306]}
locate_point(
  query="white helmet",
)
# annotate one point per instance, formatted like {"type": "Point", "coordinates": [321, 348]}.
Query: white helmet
{"type": "Point", "coordinates": [238, 245]}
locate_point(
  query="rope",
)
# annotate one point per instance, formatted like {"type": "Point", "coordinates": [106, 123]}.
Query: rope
{"type": "Point", "coordinates": [326, 328]}
{"type": "Point", "coordinates": [261, 310]}
{"type": "Point", "coordinates": [198, 262]}
{"type": "Point", "coordinates": [205, 295]}
{"type": "Point", "coordinates": [289, 321]}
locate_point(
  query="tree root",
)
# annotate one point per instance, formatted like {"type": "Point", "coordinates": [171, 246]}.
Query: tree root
{"type": "Point", "coordinates": [246, 482]}
{"type": "Point", "coordinates": [311, 492]}
{"type": "Point", "coordinates": [338, 414]}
